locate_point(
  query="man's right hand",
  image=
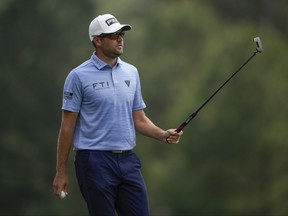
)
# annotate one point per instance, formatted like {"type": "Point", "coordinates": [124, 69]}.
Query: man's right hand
{"type": "Point", "coordinates": [60, 183]}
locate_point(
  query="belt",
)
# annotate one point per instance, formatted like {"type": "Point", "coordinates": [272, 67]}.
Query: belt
{"type": "Point", "coordinates": [120, 151]}
{"type": "Point", "coordinates": [111, 151]}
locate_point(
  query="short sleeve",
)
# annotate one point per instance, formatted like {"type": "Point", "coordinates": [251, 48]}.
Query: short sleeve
{"type": "Point", "coordinates": [138, 102]}
{"type": "Point", "coordinates": [72, 93]}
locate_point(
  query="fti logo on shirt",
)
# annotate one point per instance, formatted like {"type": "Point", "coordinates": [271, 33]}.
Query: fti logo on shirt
{"type": "Point", "coordinates": [100, 85]}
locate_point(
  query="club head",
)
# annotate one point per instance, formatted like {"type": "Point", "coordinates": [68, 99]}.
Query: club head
{"type": "Point", "coordinates": [259, 47]}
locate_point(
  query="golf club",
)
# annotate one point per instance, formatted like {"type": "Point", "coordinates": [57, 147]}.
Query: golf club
{"type": "Point", "coordinates": [259, 49]}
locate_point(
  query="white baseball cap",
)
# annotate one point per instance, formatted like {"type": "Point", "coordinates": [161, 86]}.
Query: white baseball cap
{"type": "Point", "coordinates": [105, 24]}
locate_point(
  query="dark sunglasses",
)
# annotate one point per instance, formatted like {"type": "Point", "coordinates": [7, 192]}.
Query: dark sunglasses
{"type": "Point", "coordinates": [113, 36]}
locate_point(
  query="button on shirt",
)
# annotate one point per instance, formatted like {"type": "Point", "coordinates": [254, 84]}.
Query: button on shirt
{"type": "Point", "coordinates": [104, 98]}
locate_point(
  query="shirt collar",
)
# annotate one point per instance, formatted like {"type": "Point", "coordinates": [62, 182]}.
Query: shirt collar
{"type": "Point", "coordinates": [100, 64]}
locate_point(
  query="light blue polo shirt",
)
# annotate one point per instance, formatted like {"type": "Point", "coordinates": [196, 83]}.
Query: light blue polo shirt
{"type": "Point", "coordinates": [105, 98]}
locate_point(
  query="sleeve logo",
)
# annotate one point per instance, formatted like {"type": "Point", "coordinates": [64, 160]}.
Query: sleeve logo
{"type": "Point", "coordinates": [68, 95]}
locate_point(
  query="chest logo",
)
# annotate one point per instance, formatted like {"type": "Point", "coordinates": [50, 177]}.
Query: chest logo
{"type": "Point", "coordinates": [100, 85]}
{"type": "Point", "coordinates": [127, 82]}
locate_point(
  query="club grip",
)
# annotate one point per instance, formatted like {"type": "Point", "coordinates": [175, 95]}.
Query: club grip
{"type": "Point", "coordinates": [180, 128]}
{"type": "Point", "coordinates": [193, 115]}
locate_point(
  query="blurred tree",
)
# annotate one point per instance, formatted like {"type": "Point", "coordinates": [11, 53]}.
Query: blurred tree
{"type": "Point", "coordinates": [40, 42]}
{"type": "Point", "coordinates": [272, 13]}
{"type": "Point", "coordinates": [233, 158]}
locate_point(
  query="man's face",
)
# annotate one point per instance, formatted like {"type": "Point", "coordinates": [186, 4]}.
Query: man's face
{"type": "Point", "coordinates": [112, 45]}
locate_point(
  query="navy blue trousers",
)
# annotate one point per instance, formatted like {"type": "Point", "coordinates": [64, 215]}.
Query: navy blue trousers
{"type": "Point", "coordinates": [112, 182]}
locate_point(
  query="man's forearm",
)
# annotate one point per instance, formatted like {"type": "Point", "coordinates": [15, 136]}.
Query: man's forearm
{"type": "Point", "coordinates": [147, 128]}
{"type": "Point", "coordinates": [65, 140]}
{"type": "Point", "coordinates": [63, 149]}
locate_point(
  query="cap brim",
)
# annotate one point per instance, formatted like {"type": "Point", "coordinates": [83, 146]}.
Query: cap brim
{"type": "Point", "coordinates": [117, 27]}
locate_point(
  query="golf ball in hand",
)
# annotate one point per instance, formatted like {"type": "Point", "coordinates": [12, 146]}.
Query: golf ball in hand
{"type": "Point", "coordinates": [63, 194]}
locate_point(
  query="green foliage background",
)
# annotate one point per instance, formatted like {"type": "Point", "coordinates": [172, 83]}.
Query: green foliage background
{"type": "Point", "coordinates": [232, 159]}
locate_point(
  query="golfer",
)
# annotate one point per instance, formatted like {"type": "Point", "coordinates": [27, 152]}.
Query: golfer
{"type": "Point", "coordinates": [102, 107]}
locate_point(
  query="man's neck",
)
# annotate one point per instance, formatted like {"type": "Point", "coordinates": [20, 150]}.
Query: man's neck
{"type": "Point", "coordinates": [106, 59]}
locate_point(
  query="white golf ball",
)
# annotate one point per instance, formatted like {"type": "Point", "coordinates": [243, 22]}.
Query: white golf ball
{"type": "Point", "coordinates": [63, 194]}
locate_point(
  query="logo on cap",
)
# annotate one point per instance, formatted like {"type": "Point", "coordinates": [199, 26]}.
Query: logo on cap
{"type": "Point", "coordinates": [111, 21]}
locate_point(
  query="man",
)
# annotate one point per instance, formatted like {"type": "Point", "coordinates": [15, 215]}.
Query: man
{"type": "Point", "coordinates": [102, 107]}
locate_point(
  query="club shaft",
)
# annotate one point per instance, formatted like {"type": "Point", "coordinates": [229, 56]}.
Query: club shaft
{"type": "Point", "coordinates": [193, 115]}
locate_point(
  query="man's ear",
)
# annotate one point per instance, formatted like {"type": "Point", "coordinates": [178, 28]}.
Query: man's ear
{"type": "Point", "coordinates": [96, 41]}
